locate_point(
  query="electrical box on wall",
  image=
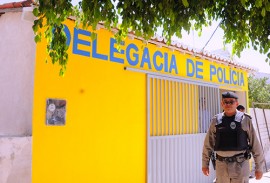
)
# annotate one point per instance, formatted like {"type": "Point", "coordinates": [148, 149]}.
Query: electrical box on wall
{"type": "Point", "coordinates": [56, 112]}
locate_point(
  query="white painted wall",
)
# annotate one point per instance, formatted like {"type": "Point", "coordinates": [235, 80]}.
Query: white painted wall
{"type": "Point", "coordinates": [17, 60]}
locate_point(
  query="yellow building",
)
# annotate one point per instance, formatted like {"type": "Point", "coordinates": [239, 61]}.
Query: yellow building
{"type": "Point", "coordinates": [132, 115]}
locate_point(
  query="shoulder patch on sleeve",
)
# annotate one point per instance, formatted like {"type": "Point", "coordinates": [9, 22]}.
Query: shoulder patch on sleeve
{"type": "Point", "coordinates": [238, 116]}
{"type": "Point", "coordinates": [219, 118]}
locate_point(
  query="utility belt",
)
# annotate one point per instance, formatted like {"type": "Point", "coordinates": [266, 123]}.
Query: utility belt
{"type": "Point", "coordinates": [236, 158]}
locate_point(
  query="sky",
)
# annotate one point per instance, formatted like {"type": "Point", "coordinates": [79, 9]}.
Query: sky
{"type": "Point", "coordinates": [248, 56]}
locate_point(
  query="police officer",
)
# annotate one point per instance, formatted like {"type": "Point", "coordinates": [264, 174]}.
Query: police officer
{"type": "Point", "coordinates": [232, 137]}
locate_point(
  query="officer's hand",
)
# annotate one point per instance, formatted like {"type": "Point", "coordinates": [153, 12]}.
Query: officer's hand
{"type": "Point", "coordinates": [205, 171]}
{"type": "Point", "coordinates": [258, 175]}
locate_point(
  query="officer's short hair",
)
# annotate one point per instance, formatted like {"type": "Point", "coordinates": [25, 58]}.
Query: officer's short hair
{"type": "Point", "coordinates": [229, 94]}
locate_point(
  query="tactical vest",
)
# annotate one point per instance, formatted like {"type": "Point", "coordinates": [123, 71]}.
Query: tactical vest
{"type": "Point", "coordinates": [229, 133]}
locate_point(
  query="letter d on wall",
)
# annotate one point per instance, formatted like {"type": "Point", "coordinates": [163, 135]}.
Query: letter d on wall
{"type": "Point", "coordinates": [190, 68]}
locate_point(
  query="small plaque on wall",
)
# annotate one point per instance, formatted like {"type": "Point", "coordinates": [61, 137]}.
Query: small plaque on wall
{"type": "Point", "coordinates": [56, 112]}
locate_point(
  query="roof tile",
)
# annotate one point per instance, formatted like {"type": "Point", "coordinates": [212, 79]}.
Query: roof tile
{"type": "Point", "coordinates": [20, 4]}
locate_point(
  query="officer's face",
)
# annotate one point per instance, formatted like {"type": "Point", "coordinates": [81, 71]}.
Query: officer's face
{"type": "Point", "coordinates": [229, 105]}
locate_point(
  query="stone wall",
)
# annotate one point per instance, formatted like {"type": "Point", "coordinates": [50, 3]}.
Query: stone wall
{"type": "Point", "coordinates": [15, 159]}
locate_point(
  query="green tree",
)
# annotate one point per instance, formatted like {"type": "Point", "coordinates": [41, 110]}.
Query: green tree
{"type": "Point", "coordinates": [258, 91]}
{"type": "Point", "coordinates": [243, 21]}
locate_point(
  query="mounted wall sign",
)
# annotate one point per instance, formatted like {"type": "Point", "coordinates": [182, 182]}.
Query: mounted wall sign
{"type": "Point", "coordinates": [55, 112]}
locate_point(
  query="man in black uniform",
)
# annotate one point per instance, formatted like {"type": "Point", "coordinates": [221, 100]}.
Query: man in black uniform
{"type": "Point", "coordinates": [232, 137]}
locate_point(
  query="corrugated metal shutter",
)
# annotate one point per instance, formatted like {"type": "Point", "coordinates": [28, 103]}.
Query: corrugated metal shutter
{"type": "Point", "coordinates": [174, 129]}
{"type": "Point", "coordinates": [169, 103]}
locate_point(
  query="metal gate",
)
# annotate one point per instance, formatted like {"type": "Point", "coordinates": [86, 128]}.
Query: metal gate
{"type": "Point", "coordinates": [176, 128]}
{"type": "Point", "coordinates": [261, 123]}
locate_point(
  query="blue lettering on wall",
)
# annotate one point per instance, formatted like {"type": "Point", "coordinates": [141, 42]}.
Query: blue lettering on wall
{"type": "Point", "coordinates": [166, 62]}
{"type": "Point", "coordinates": [190, 68]}
{"type": "Point", "coordinates": [146, 58]}
{"type": "Point", "coordinates": [194, 68]}
{"type": "Point", "coordinates": [95, 54]}
{"type": "Point", "coordinates": [199, 70]}
{"type": "Point", "coordinates": [233, 77]}
{"type": "Point", "coordinates": [78, 41]}
{"type": "Point", "coordinates": [213, 71]}
{"type": "Point", "coordinates": [241, 83]}
{"type": "Point", "coordinates": [225, 74]}
{"type": "Point", "coordinates": [220, 74]}
{"type": "Point", "coordinates": [114, 50]}
{"type": "Point", "coordinates": [135, 55]}
{"type": "Point", "coordinates": [173, 65]}
{"type": "Point", "coordinates": [160, 66]}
